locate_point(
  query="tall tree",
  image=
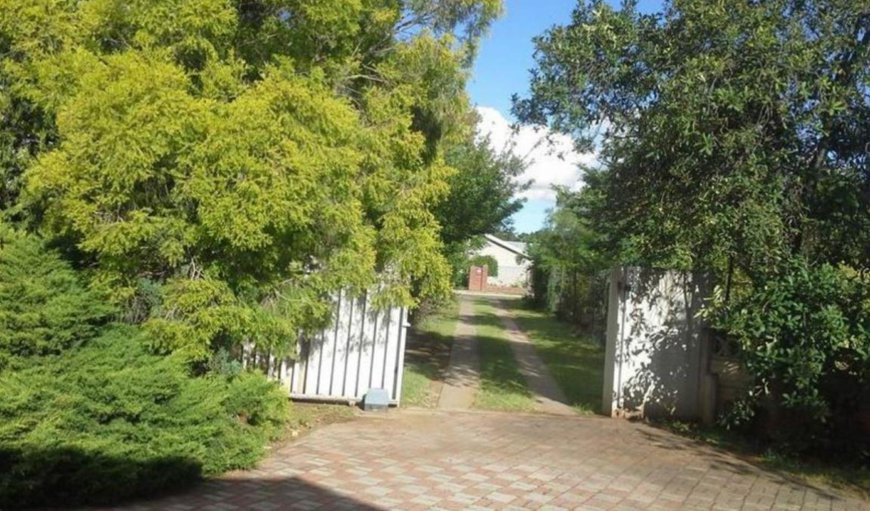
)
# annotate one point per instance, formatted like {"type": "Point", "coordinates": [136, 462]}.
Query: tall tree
{"type": "Point", "coordinates": [570, 257]}
{"type": "Point", "coordinates": [736, 143]}
{"type": "Point", "coordinates": [735, 130]}
{"type": "Point", "coordinates": [483, 191]}
{"type": "Point", "coordinates": [483, 196]}
{"type": "Point", "coordinates": [222, 166]}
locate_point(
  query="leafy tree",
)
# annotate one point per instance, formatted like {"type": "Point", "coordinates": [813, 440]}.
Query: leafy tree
{"type": "Point", "coordinates": [243, 159]}
{"type": "Point", "coordinates": [733, 131]}
{"type": "Point", "coordinates": [734, 137]}
{"type": "Point", "coordinates": [214, 169]}
{"type": "Point", "coordinates": [24, 131]}
{"type": "Point", "coordinates": [482, 194]}
{"type": "Point", "coordinates": [509, 233]}
{"type": "Point", "coordinates": [482, 198]}
{"type": "Point", "coordinates": [569, 256]}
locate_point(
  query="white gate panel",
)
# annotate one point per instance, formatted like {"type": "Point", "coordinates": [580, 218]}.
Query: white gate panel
{"type": "Point", "coordinates": [363, 348]}
{"type": "Point", "coordinates": [343, 336]}
{"type": "Point", "coordinates": [655, 350]}
{"type": "Point", "coordinates": [389, 378]}
{"type": "Point", "coordinates": [356, 325]}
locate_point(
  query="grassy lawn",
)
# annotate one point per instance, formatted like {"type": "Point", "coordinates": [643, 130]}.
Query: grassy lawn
{"type": "Point", "coordinates": [427, 356]}
{"type": "Point", "coordinates": [576, 362]}
{"type": "Point", "coordinates": [502, 386]}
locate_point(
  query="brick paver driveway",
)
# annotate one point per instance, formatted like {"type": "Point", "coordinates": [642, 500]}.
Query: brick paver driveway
{"type": "Point", "coordinates": [477, 461]}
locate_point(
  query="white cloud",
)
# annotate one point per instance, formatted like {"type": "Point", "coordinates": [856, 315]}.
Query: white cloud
{"type": "Point", "coordinates": [550, 162]}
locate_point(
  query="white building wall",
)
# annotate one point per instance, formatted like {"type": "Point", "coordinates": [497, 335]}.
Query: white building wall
{"type": "Point", "coordinates": [510, 272]}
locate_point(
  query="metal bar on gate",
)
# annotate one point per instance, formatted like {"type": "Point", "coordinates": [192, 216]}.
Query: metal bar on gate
{"type": "Point", "coordinates": [389, 315]}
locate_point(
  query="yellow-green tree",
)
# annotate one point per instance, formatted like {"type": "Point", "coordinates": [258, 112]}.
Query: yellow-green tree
{"type": "Point", "coordinates": [223, 166]}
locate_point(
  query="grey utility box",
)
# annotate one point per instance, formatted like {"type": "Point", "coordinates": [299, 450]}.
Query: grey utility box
{"type": "Point", "coordinates": [376, 400]}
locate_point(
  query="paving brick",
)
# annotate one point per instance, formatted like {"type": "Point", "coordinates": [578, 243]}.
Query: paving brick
{"type": "Point", "coordinates": [469, 460]}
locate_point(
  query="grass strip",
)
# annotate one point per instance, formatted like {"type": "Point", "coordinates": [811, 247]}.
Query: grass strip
{"type": "Point", "coordinates": [575, 361]}
{"type": "Point", "coordinates": [502, 386]}
{"type": "Point", "coordinates": [427, 355]}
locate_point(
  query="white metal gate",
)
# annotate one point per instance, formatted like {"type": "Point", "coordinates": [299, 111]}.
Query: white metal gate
{"type": "Point", "coordinates": [364, 348]}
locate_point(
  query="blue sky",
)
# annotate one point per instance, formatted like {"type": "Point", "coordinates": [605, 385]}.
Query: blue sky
{"type": "Point", "coordinates": [502, 69]}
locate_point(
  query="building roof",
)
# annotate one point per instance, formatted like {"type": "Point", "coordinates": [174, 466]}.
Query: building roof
{"type": "Point", "coordinates": [517, 247]}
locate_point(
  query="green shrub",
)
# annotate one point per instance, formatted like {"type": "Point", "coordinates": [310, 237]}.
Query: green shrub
{"type": "Point", "coordinates": [109, 421]}
{"type": "Point", "coordinates": [44, 307]}
{"type": "Point", "coordinates": [462, 264]}
{"type": "Point", "coordinates": [484, 260]}
{"type": "Point", "coordinates": [804, 336]}
{"type": "Point", "coordinates": [89, 415]}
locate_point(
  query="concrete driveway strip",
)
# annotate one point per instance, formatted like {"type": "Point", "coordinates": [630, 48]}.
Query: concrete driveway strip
{"type": "Point", "coordinates": [463, 374]}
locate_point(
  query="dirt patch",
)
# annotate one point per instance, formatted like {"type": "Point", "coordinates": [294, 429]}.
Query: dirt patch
{"type": "Point", "coordinates": [305, 417]}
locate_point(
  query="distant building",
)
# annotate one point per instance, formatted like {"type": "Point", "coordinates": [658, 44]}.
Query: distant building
{"type": "Point", "coordinates": [514, 264]}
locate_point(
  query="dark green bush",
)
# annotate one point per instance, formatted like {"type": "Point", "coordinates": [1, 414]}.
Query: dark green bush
{"type": "Point", "coordinates": [804, 336]}
{"type": "Point", "coordinates": [484, 260]}
{"type": "Point", "coordinates": [44, 307]}
{"type": "Point", "coordinates": [109, 421]}
{"type": "Point", "coordinates": [89, 416]}
{"type": "Point", "coordinates": [461, 263]}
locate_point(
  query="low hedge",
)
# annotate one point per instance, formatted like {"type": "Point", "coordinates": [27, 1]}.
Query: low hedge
{"type": "Point", "coordinates": [88, 415]}
{"type": "Point", "coordinates": [110, 421]}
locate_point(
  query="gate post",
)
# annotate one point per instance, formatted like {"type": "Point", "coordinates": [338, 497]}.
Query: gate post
{"type": "Point", "coordinates": [477, 276]}
{"type": "Point", "coordinates": [610, 392]}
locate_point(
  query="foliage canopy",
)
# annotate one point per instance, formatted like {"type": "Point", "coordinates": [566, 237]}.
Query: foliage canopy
{"type": "Point", "coordinates": [734, 136]}
{"type": "Point", "coordinates": [252, 156]}
{"type": "Point", "coordinates": [730, 130]}
{"type": "Point", "coordinates": [212, 170]}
